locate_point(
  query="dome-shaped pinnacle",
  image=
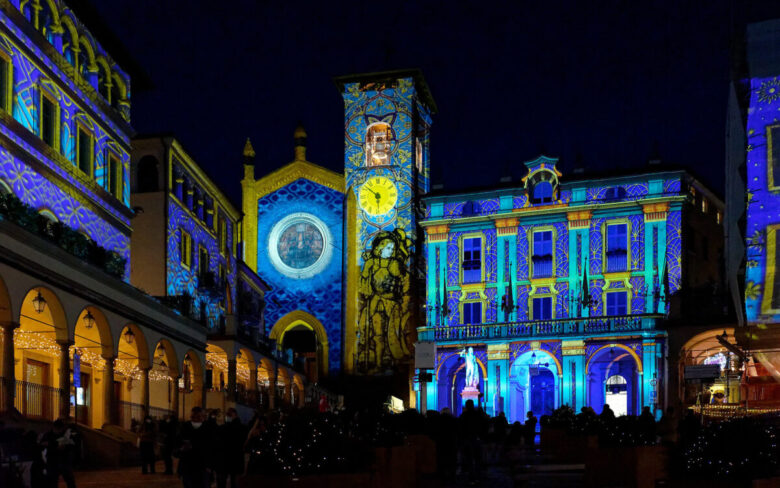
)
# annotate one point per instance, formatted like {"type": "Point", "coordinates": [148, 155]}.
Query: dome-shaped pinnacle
{"type": "Point", "coordinates": [299, 137]}
{"type": "Point", "coordinates": [249, 151]}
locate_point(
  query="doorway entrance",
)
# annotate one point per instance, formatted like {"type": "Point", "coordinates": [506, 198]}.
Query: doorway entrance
{"type": "Point", "coordinates": [616, 394]}
{"type": "Point", "coordinates": [542, 390]}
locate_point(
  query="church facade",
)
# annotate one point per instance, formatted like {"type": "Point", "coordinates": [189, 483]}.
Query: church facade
{"type": "Point", "coordinates": [339, 250]}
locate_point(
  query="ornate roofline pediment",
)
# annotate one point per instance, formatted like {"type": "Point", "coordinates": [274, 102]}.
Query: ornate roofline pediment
{"type": "Point", "coordinates": [295, 171]}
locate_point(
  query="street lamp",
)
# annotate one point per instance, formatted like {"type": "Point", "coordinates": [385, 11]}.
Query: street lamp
{"type": "Point", "coordinates": [89, 320]}
{"type": "Point", "coordinates": [129, 336]}
{"type": "Point", "coordinates": [39, 303]}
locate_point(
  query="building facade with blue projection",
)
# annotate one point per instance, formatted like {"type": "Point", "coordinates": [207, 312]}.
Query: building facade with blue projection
{"type": "Point", "coordinates": [293, 238]}
{"type": "Point", "coordinates": [559, 291]}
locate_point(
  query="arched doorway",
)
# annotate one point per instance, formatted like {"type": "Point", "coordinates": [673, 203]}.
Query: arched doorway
{"type": "Point", "coordinates": [163, 379]}
{"type": "Point", "coordinates": [705, 348]}
{"type": "Point", "coordinates": [616, 394]}
{"type": "Point", "coordinates": [305, 336]}
{"type": "Point", "coordinates": [451, 380]}
{"type": "Point", "coordinates": [604, 365]}
{"type": "Point", "coordinates": [132, 360]}
{"type": "Point", "coordinates": [191, 384]}
{"type": "Point", "coordinates": [96, 401]}
{"type": "Point", "coordinates": [40, 342]}
{"type": "Point", "coordinates": [534, 381]}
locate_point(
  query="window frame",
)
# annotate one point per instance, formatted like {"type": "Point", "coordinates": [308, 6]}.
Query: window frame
{"type": "Point", "coordinates": [7, 102]}
{"type": "Point", "coordinates": [203, 269]}
{"type": "Point", "coordinates": [616, 292]}
{"type": "Point", "coordinates": [462, 250]}
{"type": "Point", "coordinates": [52, 99]}
{"type": "Point", "coordinates": [605, 242]}
{"type": "Point", "coordinates": [771, 184]}
{"type": "Point", "coordinates": [542, 297]}
{"type": "Point", "coordinates": [81, 127]}
{"type": "Point", "coordinates": [772, 236]}
{"type": "Point", "coordinates": [116, 176]}
{"type": "Point", "coordinates": [185, 249]}
{"type": "Point", "coordinates": [470, 304]}
{"type": "Point", "coordinates": [532, 253]}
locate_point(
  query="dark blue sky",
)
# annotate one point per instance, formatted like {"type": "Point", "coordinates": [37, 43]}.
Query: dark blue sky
{"type": "Point", "coordinates": [602, 82]}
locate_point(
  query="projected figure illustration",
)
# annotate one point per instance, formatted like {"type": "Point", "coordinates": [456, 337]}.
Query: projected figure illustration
{"type": "Point", "coordinates": [384, 283]}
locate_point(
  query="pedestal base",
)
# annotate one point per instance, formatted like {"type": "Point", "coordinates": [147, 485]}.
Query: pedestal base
{"type": "Point", "coordinates": [470, 393]}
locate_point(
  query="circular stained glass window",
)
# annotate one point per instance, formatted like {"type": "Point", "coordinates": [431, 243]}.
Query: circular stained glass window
{"type": "Point", "coordinates": [299, 245]}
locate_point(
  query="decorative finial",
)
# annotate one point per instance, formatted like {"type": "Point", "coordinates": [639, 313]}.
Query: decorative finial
{"type": "Point", "coordinates": [249, 151]}
{"type": "Point", "coordinates": [299, 137]}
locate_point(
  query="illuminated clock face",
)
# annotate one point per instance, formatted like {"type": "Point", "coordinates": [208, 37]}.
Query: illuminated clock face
{"type": "Point", "coordinates": [378, 195]}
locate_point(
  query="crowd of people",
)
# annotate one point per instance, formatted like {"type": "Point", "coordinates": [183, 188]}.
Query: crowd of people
{"type": "Point", "coordinates": [211, 448]}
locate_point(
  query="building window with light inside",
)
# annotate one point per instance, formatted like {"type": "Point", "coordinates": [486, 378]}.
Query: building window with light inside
{"type": "Point", "coordinates": [773, 156]}
{"type": "Point", "coordinates": [49, 123]}
{"type": "Point", "coordinates": [472, 260]}
{"type": "Point", "coordinates": [379, 142]}
{"type": "Point", "coordinates": [84, 151]}
{"type": "Point", "coordinates": [472, 313]}
{"type": "Point", "coordinates": [542, 258]}
{"type": "Point", "coordinates": [6, 82]}
{"type": "Point", "coordinates": [617, 248]}
{"type": "Point", "coordinates": [114, 175]}
{"type": "Point", "coordinates": [542, 308]}
{"type": "Point", "coordinates": [185, 249]}
{"type": "Point", "coordinates": [617, 303]}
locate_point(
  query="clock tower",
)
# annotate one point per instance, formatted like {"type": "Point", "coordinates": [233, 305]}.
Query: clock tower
{"type": "Point", "coordinates": [386, 158]}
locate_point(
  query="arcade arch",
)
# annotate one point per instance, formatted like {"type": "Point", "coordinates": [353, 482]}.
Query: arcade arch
{"type": "Point", "coordinates": [297, 323]}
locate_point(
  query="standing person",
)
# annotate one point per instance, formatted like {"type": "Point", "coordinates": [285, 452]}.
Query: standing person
{"type": "Point", "coordinates": [471, 430]}
{"type": "Point", "coordinates": [146, 437]}
{"type": "Point", "coordinates": [647, 425]}
{"type": "Point", "coordinates": [193, 451]}
{"type": "Point", "coordinates": [167, 434]}
{"type": "Point", "coordinates": [58, 452]}
{"type": "Point", "coordinates": [232, 437]}
{"type": "Point", "coordinates": [530, 428]}
{"type": "Point", "coordinates": [324, 407]}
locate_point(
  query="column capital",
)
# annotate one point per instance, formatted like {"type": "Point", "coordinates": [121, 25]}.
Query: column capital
{"type": "Point", "coordinates": [437, 233]}
{"type": "Point", "coordinates": [506, 226]}
{"type": "Point", "coordinates": [655, 211]}
{"type": "Point", "coordinates": [579, 219]}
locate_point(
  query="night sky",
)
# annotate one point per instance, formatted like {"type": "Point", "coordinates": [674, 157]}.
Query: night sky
{"type": "Point", "coordinates": [599, 84]}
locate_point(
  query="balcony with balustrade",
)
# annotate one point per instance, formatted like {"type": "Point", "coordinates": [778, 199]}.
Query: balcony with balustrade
{"type": "Point", "coordinates": [543, 329]}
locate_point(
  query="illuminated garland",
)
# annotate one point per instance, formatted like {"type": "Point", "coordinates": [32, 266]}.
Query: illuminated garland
{"type": "Point", "coordinates": [731, 411]}
{"type": "Point", "coordinates": [42, 344]}
{"type": "Point", "coordinates": [216, 360]}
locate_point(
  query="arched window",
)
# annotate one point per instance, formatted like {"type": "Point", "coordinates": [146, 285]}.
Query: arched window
{"type": "Point", "coordinates": [543, 192]}
{"type": "Point", "coordinates": [104, 77]}
{"type": "Point", "coordinates": [148, 174]}
{"type": "Point", "coordinates": [379, 144]}
{"type": "Point", "coordinates": [83, 63]}
{"type": "Point", "coordinates": [46, 21]}
{"type": "Point", "coordinates": [46, 213]}
{"type": "Point", "coordinates": [25, 6]}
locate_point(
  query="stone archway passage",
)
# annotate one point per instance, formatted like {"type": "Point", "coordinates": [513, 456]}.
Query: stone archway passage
{"type": "Point", "coordinates": [299, 317]}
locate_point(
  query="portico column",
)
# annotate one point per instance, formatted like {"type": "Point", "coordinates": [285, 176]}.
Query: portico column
{"type": "Point", "coordinates": [108, 391]}
{"type": "Point", "coordinates": [145, 389]}
{"type": "Point", "coordinates": [231, 379]}
{"type": "Point", "coordinates": [64, 378]}
{"type": "Point", "coordinates": [272, 389]}
{"type": "Point", "coordinates": [8, 374]}
{"type": "Point", "coordinates": [175, 396]}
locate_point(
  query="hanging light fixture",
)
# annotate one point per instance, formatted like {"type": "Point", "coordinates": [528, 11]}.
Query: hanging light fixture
{"type": "Point", "coordinates": [129, 336]}
{"type": "Point", "coordinates": [89, 320]}
{"type": "Point", "coordinates": [39, 303]}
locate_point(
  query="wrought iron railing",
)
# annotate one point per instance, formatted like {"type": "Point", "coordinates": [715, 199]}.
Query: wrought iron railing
{"type": "Point", "coordinates": [617, 261]}
{"type": "Point", "coordinates": [543, 266]}
{"type": "Point", "coordinates": [541, 328]}
{"type": "Point", "coordinates": [31, 399]}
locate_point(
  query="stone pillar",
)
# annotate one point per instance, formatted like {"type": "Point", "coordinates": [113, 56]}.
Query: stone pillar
{"type": "Point", "coordinates": [252, 379]}
{"type": "Point", "coordinates": [64, 378]}
{"type": "Point", "coordinates": [574, 388]}
{"type": "Point", "coordinates": [175, 396]}
{"type": "Point", "coordinates": [272, 389]}
{"type": "Point", "coordinates": [231, 379]}
{"type": "Point", "coordinates": [145, 389]}
{"type": "Point", "coordinates": [497, 385]}
{"type": "Point", "coordinates": [108, 392]}
{"type": "Point", "coordinates": [7, 372]}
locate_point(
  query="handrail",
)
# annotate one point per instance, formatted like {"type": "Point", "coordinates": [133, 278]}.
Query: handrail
{"type": "Point", "coordinates": [541, 328]}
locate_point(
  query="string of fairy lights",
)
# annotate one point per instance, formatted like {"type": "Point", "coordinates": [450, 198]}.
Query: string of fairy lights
{"type": "Point", "coordinates": [41, 342]}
